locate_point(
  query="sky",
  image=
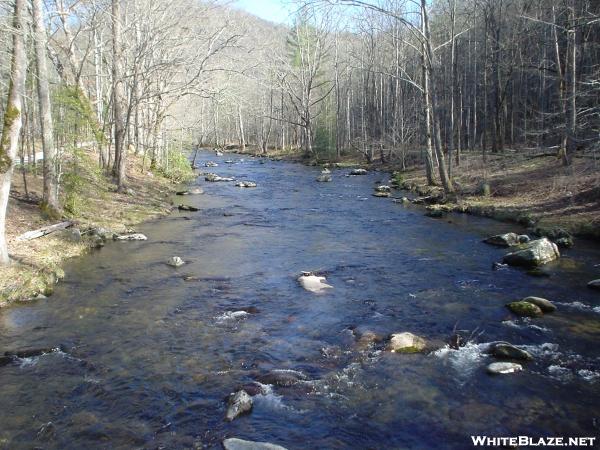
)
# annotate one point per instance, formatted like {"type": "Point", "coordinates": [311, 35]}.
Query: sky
{"type": "Point", "coordinates": [272, 10]}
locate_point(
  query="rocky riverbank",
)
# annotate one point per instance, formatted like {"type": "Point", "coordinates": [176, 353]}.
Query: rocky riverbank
{"type": "Point", "coordinates": [97, 212]}
{"type": "Point", "coordinates": [531, 190]}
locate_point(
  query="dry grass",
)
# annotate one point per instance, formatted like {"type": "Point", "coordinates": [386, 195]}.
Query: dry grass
{"type": "Point", "coordinates": [37, 263]}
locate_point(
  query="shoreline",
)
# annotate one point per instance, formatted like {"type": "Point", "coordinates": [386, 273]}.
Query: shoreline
{"type": "Point", "coordinates": [38, 264]}
{"type": "Point", "coordinates": [538, 216]}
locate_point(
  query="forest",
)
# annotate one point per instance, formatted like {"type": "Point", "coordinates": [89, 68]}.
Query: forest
{"type": "Point", "coordinates": [369, 224]}
{"type": "Point", "coordinates": [413, 83]}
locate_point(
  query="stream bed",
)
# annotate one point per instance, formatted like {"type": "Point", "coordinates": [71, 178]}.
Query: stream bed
{"type": "Point", "coordinates": [146, 357]}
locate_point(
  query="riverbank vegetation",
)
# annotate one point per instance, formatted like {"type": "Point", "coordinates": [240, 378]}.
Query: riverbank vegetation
{"type": "Point", "coordinates": [494, 102]}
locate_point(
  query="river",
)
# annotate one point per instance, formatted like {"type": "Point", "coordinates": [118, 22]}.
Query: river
{"type": "Point", "coordinates": [147, 358]}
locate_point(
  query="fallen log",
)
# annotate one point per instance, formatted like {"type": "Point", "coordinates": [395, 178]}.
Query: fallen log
{"type": "Point", "coordinates": [34, 234]}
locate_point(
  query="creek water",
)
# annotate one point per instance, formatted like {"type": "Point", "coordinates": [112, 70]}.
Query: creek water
{"type": "Point", "coordinates": [148, 358]}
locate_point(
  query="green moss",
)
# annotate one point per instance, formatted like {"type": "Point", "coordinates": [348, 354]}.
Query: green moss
{"type": "Point", "coordinates": [11, 114]}
{"type": "Point", "coordinates": [409, 350]}
{"type": "Point", "coordinates": [525, 309]}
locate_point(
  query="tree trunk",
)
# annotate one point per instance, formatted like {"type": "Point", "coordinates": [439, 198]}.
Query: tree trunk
{"type": "Point", "coordinates": [50, 191]}
{"type": "Point", "coordinates": [12, 120]}
{"type": "Point", "coordinates": [119, 97]}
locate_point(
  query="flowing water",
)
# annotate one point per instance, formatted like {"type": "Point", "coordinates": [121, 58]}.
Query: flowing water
{"type": "Point", "coordinates": [145, 358]}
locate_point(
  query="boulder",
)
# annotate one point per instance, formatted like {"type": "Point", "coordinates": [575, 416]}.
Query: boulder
{"type": "Point", "coordinates": [503, 240]}
{"type": "Point", "coordinates": [406, 343]}
{"type": "Point", "coordinates": [187, 208]}
{"type": "Point", "coordinates": [594, 284]}
{"type": "Point", "coordinates": [524, 239]}
{"type": "Point", "coordinates": [506, 350]}
{"type": "Point", "coordinates": [132, 237]}
{"type": "Point", "coordinates": [404, 201]}
{"type": "Point", "coordinates": [525, 309]}
{"type": "Point", "coordinates": [534, 253]}
{"type": "Point", "coordinates": [313, 283]}
{"type": "Point", "coordinates": [502, 368]}
{"type": "Point", "coordinates": [545, 305]}
{"type": "Point", "coordinates": [381, 194]}
{"type": "Point", "coordinates": [383, 188]}
{"type": "Point", "coordinates": [238, 403]}
{"type": "Point", "coordinates": [240, 444]}
{"type": "Point", "coordinates": [358, 172]}
{"type": "Point", "coordinates": [175, 261]}
{"type": "Point", "coordinates": [246, 184]}
{"type": "Point", "coordinates": [72, 235]}
{"type": "Point", "coordinates": [194, 191]}
{"type": "Point", "coordinates": [564, 242]}
{"type": "Point", "coordinates": [213, 177]}
{"type": "Point", "coordinates": [324, 178]}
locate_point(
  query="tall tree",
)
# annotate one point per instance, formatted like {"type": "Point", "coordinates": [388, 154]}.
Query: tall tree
{"type": "Point", "coordinates": [12, 119]}
{"type": "Point", "coordinates": [50, 191]}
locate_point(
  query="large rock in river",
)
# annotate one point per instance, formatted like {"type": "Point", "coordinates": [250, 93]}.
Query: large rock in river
{"type": "Point", "coordinates": [240, 444]}
{"type": "Point", "coordinates": [545, 305]}
{"type": "Point", "coordinates": [506, 350]}
{"type": "Point", "coordinates": [313, 283]}
{"type": "Point", "coordinates": [534, 253]}
{"type": "Point", "coordinates": [503, 240]}
{"type": "Point", "coordinates": [502, 368]}
{"type": "Point", "coordinates": [594, 284]}
{"type": "Point", "coordinates": [238, 403]}
{"type": "Point", "coordinates": [406, 343]}
{"type": "Point", "coordinates": [525, 309]}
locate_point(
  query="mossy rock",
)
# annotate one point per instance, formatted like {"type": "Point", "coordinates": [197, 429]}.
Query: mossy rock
{"type": "Point", "coordinates": [525, 309]}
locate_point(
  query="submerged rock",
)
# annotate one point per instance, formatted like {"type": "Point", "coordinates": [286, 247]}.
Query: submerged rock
{"type": "Point", "coordinates": [238, 403]}
{"type": "Point", "coordinates": [358, 172]}
{"type": "Point", "coordinates": [132, 237]}
{"type": "Point", "coordinates": [545, 305]}
{"type": "Point", "coordinates": [210, 164]}
{"type": "Point", "coordinates": [506, 350]}
{"type": "Point", "coordinates": [406, 343]}
{"type": "Point", "coordinates": [594, 284]}
{"type": "Point", "coordinates": [240, 444]}
{"type": "Point", "coordinates": [324, 178]}
{"type": "Point", "coordinates": [502, 368]}
{"type": "Point", "coordinates": [404, 201]}
{"type": "Point", "coordinates": [282, 377]}
{"type": "Point", "coordinates": [503, 240]}
{"type": "Point", "coordinates": [175, 261]}
{"type": "Point", "coordinates": [246, 184]}
{"type": "Point", "coordinates": [194, 191]}
{"type": "Point", "coordinates": [254, 388]}
{"type": "Point", "coordinates": [525, 309]}
{"type": "Point", "coordinates": [534, 253]}
{"type": "Point", "coordinates": [313, 283]}
{"type": "Point", "coordinates": [187, 208]}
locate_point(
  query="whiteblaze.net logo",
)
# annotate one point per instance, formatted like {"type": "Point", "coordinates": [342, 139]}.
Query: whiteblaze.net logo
{"type": "Point", "coordinates": [527, 441]}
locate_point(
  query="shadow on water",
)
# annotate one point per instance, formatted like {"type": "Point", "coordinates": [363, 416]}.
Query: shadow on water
{"type": "Point", "coordinates": [148, 352]}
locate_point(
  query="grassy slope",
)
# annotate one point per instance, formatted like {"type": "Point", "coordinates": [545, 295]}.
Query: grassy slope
{"type": "Point", "coordinates": [37, 263]}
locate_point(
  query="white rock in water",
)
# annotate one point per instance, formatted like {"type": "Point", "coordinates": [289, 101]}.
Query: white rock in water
{"type": "Point", "coordinates": [406, 343]}
{"type": "Point", "coordinates": [246, 184]}
{"type": "Point", "coordinates": [240, 444]}
{"type": "Point", "coordinates": [313, 283]}
{"type": "Point", "coordinates": [175, 261]}
{"type": "Point", "coordinates": [239, 403]}
{"type": "Point", "coordinates": [358, 172]}
{"type": "Point", "coordinates": [501, 368]}
{"type": "Point", "coordinates": [132, 237]}
{"type": "Point", "coordinates": [325, 170]}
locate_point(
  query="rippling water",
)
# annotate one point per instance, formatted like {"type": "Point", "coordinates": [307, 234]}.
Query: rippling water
{"type": "Point", "coordinates": [146, 359]}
